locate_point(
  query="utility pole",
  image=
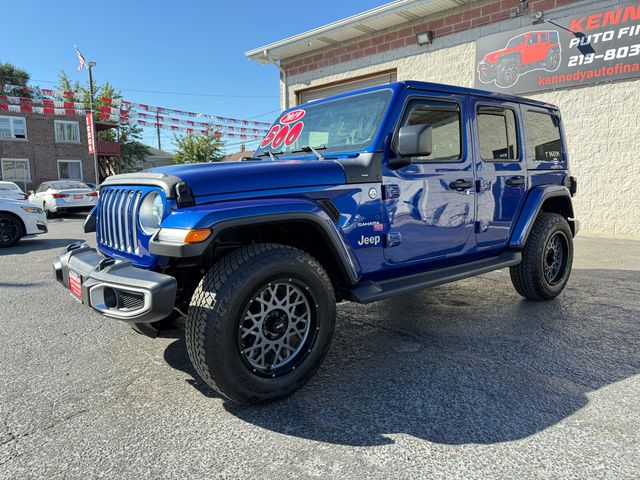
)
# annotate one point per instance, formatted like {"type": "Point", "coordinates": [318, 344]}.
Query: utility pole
{"type": "Point", "coordinates": [93, 122]}
{"type": "Point", "coordinates": [158, 129]}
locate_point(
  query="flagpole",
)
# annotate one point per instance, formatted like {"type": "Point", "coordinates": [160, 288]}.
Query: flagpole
{"type": "Point", "coordinates": [93, 122]}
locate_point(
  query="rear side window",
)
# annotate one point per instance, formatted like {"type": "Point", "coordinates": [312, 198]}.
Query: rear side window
{"type": "Point", "coordinates": [497, 134]}
{"type": "Point", "coordinates": [544, 143]}
{"type": "Point", "coordinates": [444, 118]}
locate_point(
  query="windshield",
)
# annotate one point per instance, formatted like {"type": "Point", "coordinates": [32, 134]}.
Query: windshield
{"type": "Point", "coordinates": [67, 184]}
{"type": "Point", "coordinates": [516, 41]}
{"type": "Point", "coordinates": [346, 124]}
{"type": "Point", "coordinates": [8, 186]}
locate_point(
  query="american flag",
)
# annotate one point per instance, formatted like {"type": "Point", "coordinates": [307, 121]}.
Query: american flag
{"type": "Point", "coordinates": [83, 62]}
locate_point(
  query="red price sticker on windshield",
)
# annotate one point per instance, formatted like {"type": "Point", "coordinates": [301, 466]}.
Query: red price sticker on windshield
{"type": "Point", "coordinates": [286, 131]}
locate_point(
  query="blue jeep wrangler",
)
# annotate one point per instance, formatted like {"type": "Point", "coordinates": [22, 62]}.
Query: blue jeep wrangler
{"type": "Point", "coordinates": [356, 197]}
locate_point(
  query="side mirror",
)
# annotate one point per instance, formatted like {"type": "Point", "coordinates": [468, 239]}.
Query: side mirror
{"type": "Point", "coordinates": [31, 192]}
{"type": "Point", "coordinates": [413, 141]}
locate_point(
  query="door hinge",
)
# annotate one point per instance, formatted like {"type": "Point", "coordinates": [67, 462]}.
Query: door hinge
{"type": "Point", "coordinates": [391, 191]}
{"type": "Point", "coordinates": [393, 239]}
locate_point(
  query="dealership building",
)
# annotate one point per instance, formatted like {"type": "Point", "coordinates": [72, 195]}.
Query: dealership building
{"type": "Point", "coordinates": [583, 56]}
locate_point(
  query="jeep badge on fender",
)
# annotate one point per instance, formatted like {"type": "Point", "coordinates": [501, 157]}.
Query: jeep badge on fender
{"type": "Point", "coordinates": [258, 253]}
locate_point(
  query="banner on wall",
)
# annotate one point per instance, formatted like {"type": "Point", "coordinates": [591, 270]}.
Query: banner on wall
{"type": "Point", "coordinates": [598, 46]}
{"type": "Point", "coordinates": [90, 134]}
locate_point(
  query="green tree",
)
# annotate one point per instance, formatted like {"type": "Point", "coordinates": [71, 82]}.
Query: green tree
{"type": "Point", "coordinates": [198, 148]}
{"type": "Point", "coordinates": [132, 151]}
{"type": "Point", "coordinates": [13, 75]}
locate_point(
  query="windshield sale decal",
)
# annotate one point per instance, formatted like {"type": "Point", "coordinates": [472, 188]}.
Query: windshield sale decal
{"type": "Point", "coordinates": [286, 131]}
{"type": "Point", "coordinates": [593, 47]}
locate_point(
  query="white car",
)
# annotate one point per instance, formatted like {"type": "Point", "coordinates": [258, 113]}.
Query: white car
{"type": "Point", "coordinates": [12, 191]}
{"type": "Point", "coordinates": [58, 196]}
{"type": "Point", "coordinates": [18, 219]}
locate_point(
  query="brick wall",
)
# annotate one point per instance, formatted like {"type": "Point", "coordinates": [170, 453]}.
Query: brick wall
{"type": "Point", "coordinates": [42, 150]}
{"type": "Point", "coordinates": [455, 21]}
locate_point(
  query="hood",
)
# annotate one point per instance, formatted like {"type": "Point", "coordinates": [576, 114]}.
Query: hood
{"type": "Point", "coordinates": [231, 177]}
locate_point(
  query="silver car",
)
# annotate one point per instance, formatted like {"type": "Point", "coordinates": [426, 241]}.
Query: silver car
{"type": "Point", "coordinates": [12, 191]}
{"type": "Point", "coordinates": [59, 196]}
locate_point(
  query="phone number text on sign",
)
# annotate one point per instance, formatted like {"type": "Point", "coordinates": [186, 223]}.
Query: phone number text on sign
{"type": "Point", "coordinates": [286, 131]}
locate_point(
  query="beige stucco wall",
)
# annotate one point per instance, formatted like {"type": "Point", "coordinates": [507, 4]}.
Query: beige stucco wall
{"type": "Point", "coordinates": [602, 125]}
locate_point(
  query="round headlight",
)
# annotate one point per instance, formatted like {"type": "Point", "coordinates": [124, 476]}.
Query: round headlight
{"type": "Point", "coordinates": [151, 213]}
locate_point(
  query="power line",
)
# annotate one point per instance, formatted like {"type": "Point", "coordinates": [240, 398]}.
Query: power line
{"type": "Point", "coordinates": [221, 95]}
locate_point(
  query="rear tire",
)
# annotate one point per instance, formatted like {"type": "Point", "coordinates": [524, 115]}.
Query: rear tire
{"type": "Point", "coordinates": [11, 230]}
{"type": "Point", "coordinates": [260, 322]}
{"type": "Point", "coordinates": [547, 258]}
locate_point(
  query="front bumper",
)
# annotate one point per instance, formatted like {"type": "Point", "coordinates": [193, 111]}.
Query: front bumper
{"type": "Point", "coordinates": [115, 288]}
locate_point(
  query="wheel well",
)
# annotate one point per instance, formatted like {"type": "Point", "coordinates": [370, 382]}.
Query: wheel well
{"type": "Point", "coordinates": [561, 205]}
{"type": "Point", "coordinates": [304, 235]}
{"type": "Point", "coordinates": [11, 214]}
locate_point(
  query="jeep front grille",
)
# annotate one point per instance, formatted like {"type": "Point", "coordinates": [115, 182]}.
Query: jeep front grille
{"type": "Point", "coordinates": [118, 219]}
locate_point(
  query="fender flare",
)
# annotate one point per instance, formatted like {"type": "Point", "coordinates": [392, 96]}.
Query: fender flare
{"type": "Point", "coordinates": [221, 217]}
{"type": "Point", "coordinates": [530, 211]}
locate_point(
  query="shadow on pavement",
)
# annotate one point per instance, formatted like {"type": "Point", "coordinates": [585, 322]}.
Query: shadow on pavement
{"type": "Point", "coordinates": [39, 243]}
{"type": "Point", "coordinates": [460, 364]}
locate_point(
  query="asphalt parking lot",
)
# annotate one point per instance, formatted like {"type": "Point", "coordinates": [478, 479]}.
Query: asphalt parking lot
{"type": "Point", "coordinates": [462, 381]}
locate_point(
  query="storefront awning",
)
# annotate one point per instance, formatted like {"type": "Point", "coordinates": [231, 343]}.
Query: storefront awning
{"type": "Point", "coordinates": [374, 20]}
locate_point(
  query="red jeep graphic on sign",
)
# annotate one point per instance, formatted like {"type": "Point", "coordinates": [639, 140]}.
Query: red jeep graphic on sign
{"type": "Point", "coordinates": [524, 53]}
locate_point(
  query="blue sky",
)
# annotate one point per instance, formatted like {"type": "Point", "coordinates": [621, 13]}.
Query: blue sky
{"type": "Point", "coordinates": [186, 47]}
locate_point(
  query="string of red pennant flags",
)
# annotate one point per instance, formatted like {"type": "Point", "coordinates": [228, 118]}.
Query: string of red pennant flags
{"type": "Point", "coordinates": [119, 115]}
{"type": "Point", "coordinates": [126, 105]}
{"type": "Point", "coordinates": [71, 96]}
{"type": "Point", "coordinates": [118, 110]}
{"type": "Point", "coordinates": [216, 133]}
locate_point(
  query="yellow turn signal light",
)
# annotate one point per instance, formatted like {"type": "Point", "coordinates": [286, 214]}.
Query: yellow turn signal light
{"type": "Point", "coordinates": [182, 236]}
{"type": "Point", "coordinates": [197, 236]}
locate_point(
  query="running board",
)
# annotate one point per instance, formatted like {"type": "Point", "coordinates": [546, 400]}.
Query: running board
{"type": "Point", "coordinates": [373, 291]}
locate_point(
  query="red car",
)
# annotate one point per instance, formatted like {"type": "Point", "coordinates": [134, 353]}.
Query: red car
{"type": "Point", "coordinates": [524, 53]}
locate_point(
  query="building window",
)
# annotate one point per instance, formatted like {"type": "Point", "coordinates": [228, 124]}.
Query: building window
{"type": "Point", "coordinates": [13, 128]}
{"type": "Point", "coordinates": [444, 118]}
{"type": "Point", "coordinates": [543, 137]}
{"type": "Point", "coordinates": [497, 134]}
{"type": "Point", "coordinates": [69, 169]}
{"type": "Point", "coordinates": [16, 170]}
{"type": "Point", "coordinates": [67, 132]}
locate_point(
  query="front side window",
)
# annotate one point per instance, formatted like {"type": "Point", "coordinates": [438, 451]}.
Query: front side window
{"type": "Point", "coordinates": [544, 143]}
{"type": "Point", "coordinates": [12, 128]}
{"type": "Point", "coordinates": [67, 131]}
{"type": "Point", "coordinates": [497, 134]}
{"type": "Point", "coordinates": [533, 38]}
{"type": "Point", "coordinates": [69, 169]}
{"type": "Point", "coordinates": [343, 125]}
{"type": "Point", "coordinates": [444, 118]}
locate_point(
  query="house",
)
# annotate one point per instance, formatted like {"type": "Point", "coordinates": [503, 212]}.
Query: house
{"type": "Point", "coordinates": [573, 53]}
{"type": "Point", "coordinates": [157, 158]}
{"type": "Point", "coordinates": [35, 148]}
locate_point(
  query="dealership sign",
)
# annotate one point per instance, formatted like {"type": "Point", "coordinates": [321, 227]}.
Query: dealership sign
{"type": "Point", "coordinates": [601, 46]}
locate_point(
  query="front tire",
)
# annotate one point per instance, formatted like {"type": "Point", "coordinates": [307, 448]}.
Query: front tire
{"type": "Point", "coordinates": [508, 73]}
{"type": "Point", "coordinates": [260, 322]}
{"type": "Point", "coordinates": [546, 259]}
{"type": "Point", "coordinates": [11, 230]}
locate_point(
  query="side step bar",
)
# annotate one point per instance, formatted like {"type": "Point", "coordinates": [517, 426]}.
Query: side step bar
{"type": "Point", "coordinates": [373, 291]}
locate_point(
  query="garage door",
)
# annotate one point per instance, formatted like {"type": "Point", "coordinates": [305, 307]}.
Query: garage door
{"type": "Point", "coordinates": [316, 93]}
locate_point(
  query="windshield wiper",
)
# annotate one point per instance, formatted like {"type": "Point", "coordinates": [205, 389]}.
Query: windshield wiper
{"type": "Point", "coordinates": [270, 154]}
{"type": "Point", "coordinates": [309, 148]}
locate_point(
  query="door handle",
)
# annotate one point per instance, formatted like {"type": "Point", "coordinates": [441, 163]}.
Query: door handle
{"type": "Point", "coordinates": [461, 185]}
{"type": "Point", "coordinates": [516, 182]}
